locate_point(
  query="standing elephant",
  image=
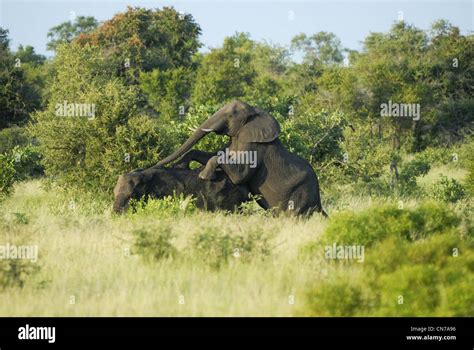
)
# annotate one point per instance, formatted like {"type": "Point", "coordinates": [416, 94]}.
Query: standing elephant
{"type": "Point", "coordinates": [282, 180]}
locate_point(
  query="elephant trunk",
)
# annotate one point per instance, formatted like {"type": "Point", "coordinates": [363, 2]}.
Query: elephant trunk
{"type": "Point", "coordinates": [215, 123]}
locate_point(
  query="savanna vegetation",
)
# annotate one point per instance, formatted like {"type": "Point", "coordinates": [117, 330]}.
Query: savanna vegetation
{"type": "Point", "coordinates": [400, 187]}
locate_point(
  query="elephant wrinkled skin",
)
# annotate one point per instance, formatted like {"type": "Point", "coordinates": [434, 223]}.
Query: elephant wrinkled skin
{"type": "Point", "coordinates": [160, 182]}
{"type": "Point", "coordinates": [283, 180]}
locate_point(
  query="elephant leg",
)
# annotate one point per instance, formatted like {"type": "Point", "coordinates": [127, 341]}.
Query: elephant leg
{"type": "Point", "coordinates": [193, 155]}
{"type": "Point", "coordinates": [238, 173]}
{"type": "Point", "coordinates": [209, 171]}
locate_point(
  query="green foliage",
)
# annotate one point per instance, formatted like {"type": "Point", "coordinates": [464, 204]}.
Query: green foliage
{"type": "Point", "coordinates": [408, 174]}
{"type": "Point", "coordinates": [225, 73]}
{"type": "Point", "coordinates": [11, 137]}
{"type": "Point", "coordinates": [181, 130]}
{"type": "Point", "coordinates": [217, 248]}
{"type": "Point", "coordinates": [90, 151]}
{"type": "Point", "coordinates": [434, 156]}
{"type": "Point", "coordinates": [338, 297]}
{"type": "Point", "coordinates": [19, 93]}
{"type": "Point", "coordinates": [469, 156]}
{"type": "Point", "coordinates": [315, 136]}
{"type": "Point", "coordinates": [142, 39]}
{"type": "Point", "coordinates": [448, 190]}
{"type": "Point", "coordinates": [400, 276]}
{"type": "Point", "coordinates": [168, 206]}
{"type": "Point", "coordinates": [7, 174]}
{"type": "Point", "coordinates": [365, 158]}
{"type": "Point", "coordinates": [322, 47]}
{"type": "Point", "coordinates": [381, 221]}
{"type": "Point", "coordinates": [65, 32]}
{"type": "Point", "coordinates": [167, 91]}
{"type": "Point", "coordinates": [16, 272]}
{"type": "Point", "coordinates": [27, 162]}
{"type": "Point", "coordinates": [409, 291]}
{"type": "Point", "coordinates": [156, 245]}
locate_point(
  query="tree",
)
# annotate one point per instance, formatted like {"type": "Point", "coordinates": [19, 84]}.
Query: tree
{"type": "Point", "coordinates": [89, 149]}
{"type": "Point", "coordinates": [27, 54]}
{"type": "Point", "coordinates": [320, 48]}
{"type": "Point", "coordinates": [18, 93]}
{"type": "Point", "coordinates": [225, 73]}
{"type": "Point", "coordinates": [143, 39]}
{"type": "Point", "coordinates": [168, 91]}
{"type": "Point", "coordinates": [67, 31]}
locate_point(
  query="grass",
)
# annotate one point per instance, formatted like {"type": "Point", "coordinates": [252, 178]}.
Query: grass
{"type": "Point", "coordinates": [85, 256]}
{"type": "Point", "coordinates": [90, 263]}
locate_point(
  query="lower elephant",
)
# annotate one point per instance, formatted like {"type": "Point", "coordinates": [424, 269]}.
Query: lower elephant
{"type": "Point", "coordinates": [220, 193]}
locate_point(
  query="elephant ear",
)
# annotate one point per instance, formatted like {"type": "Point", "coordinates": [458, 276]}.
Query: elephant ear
{"type": "Point", "coordinates": [261, 127]}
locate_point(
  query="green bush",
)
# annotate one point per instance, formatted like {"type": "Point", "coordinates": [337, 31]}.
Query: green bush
{"type": "Point", "coordinates": [169, 206]}
{"type": "Point", "coordinates": [378, 222]}
{"type": "Point", "coordinates": [15, 272]}
{"type": "Point", "coordinates": [90, 151]}
{"type": "Point", "coordinates": [448, 190]}
{"type": "Point", "coordinates": [336, 297]}
{"type": "Point", "coordinates": [408, 174]}
{"type": "Point", "coordinates": [27, 162]}
{"type": "Point", "coordinates": [216, 247]}
{"type": "Point", "coordinates": [11, 137]}
{"type": "Point", "coordinates": [434, 156]}
{"type": "Point", "coordinates": [155, 245]}
{"type": "Point", "coordinates": [182, 130]}
{"type": "Point", "coordinates": [7, 174]}
{"type": "Point", "coordinates": [400, 277]}
{"type": "Point", "coordinates": [409, 291]}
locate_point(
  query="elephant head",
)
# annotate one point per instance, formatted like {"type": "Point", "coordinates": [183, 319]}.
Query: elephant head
{"type": "Point", "coordinates": [237, 120]}
{"type": "Point", "coordinates": [130, 185]}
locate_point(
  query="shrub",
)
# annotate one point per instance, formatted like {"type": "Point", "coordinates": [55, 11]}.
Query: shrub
{"type": "Point", "coordinates": [338, 297]}
{"type": "Point", "coordinates": [459, 297]}
{"type": "Point", "coordinates": [409, 291]}
{"type": "Point", "coordinates": [448, 190]}
{"type": "Point", "coordinates": [11, 137]}
{"type": "Point", "coordinates": [216, 248]}
{"type": "Point", "coordinates": [7, 174]}
{"type": "Point", "coordinates": [434, 156]}
{"type": "Point", "coordinates": [425, 277]}
{"type": "Point", "coordinates": [378, 222]}
{"type": "Point", "coordinates": [408, 174]}
{"type": "Point", "coordinates": [15, 272]}
{"type": "Point", "coordinates": [91, 151]}
{"type": "Point", "coordinates": [156, 245]}
{"type": "Point", "coordinates": [431, 218]}
{"type": "Point", "coordinates": [169, 206]}
{"type": "Point", "coordinates": [27, 162]}
{"type": "Point", "coordinates": [182, 130]}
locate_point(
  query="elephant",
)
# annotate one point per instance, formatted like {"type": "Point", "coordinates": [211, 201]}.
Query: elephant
{"type": "Point", "coordinates": [282, 180]}
{"type": "Point", "coordinates": [220, 193]}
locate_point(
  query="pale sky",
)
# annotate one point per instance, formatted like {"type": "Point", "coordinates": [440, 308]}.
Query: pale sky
{"type": "Point", "coordinates": [274, 21]}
